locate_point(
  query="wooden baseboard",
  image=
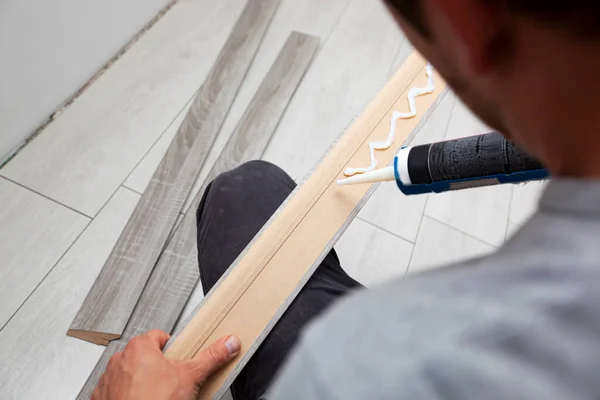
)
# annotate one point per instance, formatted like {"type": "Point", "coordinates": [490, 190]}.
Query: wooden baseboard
{"type": "Point", "coordinates": [255, 292]}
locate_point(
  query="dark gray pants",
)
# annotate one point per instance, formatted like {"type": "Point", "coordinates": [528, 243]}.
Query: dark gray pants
{"type": "Point", "coordinates": [233, 209]}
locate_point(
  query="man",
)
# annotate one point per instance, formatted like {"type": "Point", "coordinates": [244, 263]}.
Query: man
{"type": "Point", "coordinates": [523, 323]}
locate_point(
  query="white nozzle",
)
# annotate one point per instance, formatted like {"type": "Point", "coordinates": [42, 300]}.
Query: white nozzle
{"type": "Point", "coordinates": [379, 175]}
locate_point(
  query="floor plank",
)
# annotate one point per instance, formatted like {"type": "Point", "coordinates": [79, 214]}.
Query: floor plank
{"type": "Point", "coordinates": [60, 47]}
{"type": "Point", "coordinates": [352, 66]}
{"type": "Point", "coordinates": [34, 233]}
{"type": "Point", "coordinates": [394, 211]}
{"type": "Point", "coordinates": [371, 255]}
{"type": "Point", "coordinates": [96, 142]}
{"type": "Point", "coordinates": [511, 230]}
{"type": "Point", "coordinates": [38, 360]}
{"type": "Point", "coordinates": [464, 123]}
{"type": "Point", "coordinates": [195, 298]}
{"type": "Point", "coordinates": [525, 201]}
{"type": "Point", "coordinates": [438, 245]}
{"type": "Point", "coordinates": [176, 272]}
{"type": "Point", "coordinates": [480, 212]}
{"type": "Point", "coordinates": [109, 304]}
{"type": "Point", "coordinates": [140, 177]}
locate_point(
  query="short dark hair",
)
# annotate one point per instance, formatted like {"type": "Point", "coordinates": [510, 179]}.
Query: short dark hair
{"type": "Point", "coordinates": [581, 17]}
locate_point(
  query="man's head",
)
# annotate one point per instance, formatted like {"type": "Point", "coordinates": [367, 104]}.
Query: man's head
{"type": "Point", "coordinates": [516, 63]}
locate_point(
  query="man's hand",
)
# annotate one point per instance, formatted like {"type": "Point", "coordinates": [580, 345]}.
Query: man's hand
{"type": "Point", "coordinates": [142, 372]}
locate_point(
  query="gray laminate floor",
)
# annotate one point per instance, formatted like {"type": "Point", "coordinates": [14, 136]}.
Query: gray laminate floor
{"type": "Point", "coordinates": [65, 198]}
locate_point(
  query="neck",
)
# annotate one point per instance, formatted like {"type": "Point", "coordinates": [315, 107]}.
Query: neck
{"type": "Point", "coordinates": [553, 104]}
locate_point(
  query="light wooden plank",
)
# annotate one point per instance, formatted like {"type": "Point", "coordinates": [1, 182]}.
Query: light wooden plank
{"type": "Point", "coordinates": [176, 272]}
{"type": "Point", "coordinates": [38, 360]}
{"type": "Point", "coordinates": [250, 298]}
{"type": "Point", "coordinates": [372, 256]}
{"type": "Point", "coordinates": [111, 300]}
{"type": "Point", "coordinates": [34, 234]}
{"type": "Point", "coordinates": [96, 142]}
{"type": "Point", "coordinates": [440, 245]}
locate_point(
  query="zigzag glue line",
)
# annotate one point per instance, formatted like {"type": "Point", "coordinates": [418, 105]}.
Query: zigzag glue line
{"type": "Point", "coordinates": [412, 95]}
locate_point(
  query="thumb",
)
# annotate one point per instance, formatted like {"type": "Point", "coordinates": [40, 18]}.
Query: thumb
{"type": "Point", "coordinates": [217, 355]}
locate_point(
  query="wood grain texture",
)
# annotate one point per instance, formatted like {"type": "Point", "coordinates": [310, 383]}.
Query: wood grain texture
{"type": "Point", "coordinates": [176, 272]}
{"type": "Point", "coordinates": [117, 289]}
{"type": "Point", "coordinates": [316, 18]}
{"type": "Point", "coordinates": [139, 179]}
{"type": "Point", "coordinates": [253, 294]}
{"type": "Point", "coordinates": [34, 234]}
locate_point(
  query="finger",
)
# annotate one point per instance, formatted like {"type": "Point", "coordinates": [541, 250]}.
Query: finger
{"type": "Point", "coordinates": [114, 360]}
{"type": "Point", "coordinates": [159, 337]}
{"type": "Point", "coordinates": [97, 395]}
{"type": "Point", "coordinates": [214, 357]}
{"type": "Point", "coordinates": [152, 340]}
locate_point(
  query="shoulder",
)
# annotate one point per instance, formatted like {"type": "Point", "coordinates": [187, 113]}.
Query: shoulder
{"type": "Point", "coordinates": [479, 323]}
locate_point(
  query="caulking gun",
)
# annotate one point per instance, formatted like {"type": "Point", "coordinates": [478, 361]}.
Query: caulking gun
{"type": "Point", "coordinates": [473, 161]}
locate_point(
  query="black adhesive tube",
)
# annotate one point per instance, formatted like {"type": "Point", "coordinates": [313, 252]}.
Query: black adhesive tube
{"type": "Point", "coordinates": [469, 157]}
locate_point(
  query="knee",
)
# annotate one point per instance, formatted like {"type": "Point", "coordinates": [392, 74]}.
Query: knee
{"type": "Point", "coordinates": [250, 173]}
{"type": "Point", "coordinates": [257, 185]}
{"type": "Point", "coordinates": [259, 167]}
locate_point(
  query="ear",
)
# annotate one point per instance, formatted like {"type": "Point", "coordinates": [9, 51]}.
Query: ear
{"type": "Point", "coordinates": [474, 23]}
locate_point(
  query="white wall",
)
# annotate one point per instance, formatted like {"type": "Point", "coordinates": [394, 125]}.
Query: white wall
{"type": "Point", "coordinates": [50, 48]}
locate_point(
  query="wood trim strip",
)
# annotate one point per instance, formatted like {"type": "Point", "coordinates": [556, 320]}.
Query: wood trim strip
{"type": "Point", "coordinates": [249, 298]}
{"type": "Point", "coordinates": [176, 272]}
{"type": "Point", "coordinates": [111, 300]}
